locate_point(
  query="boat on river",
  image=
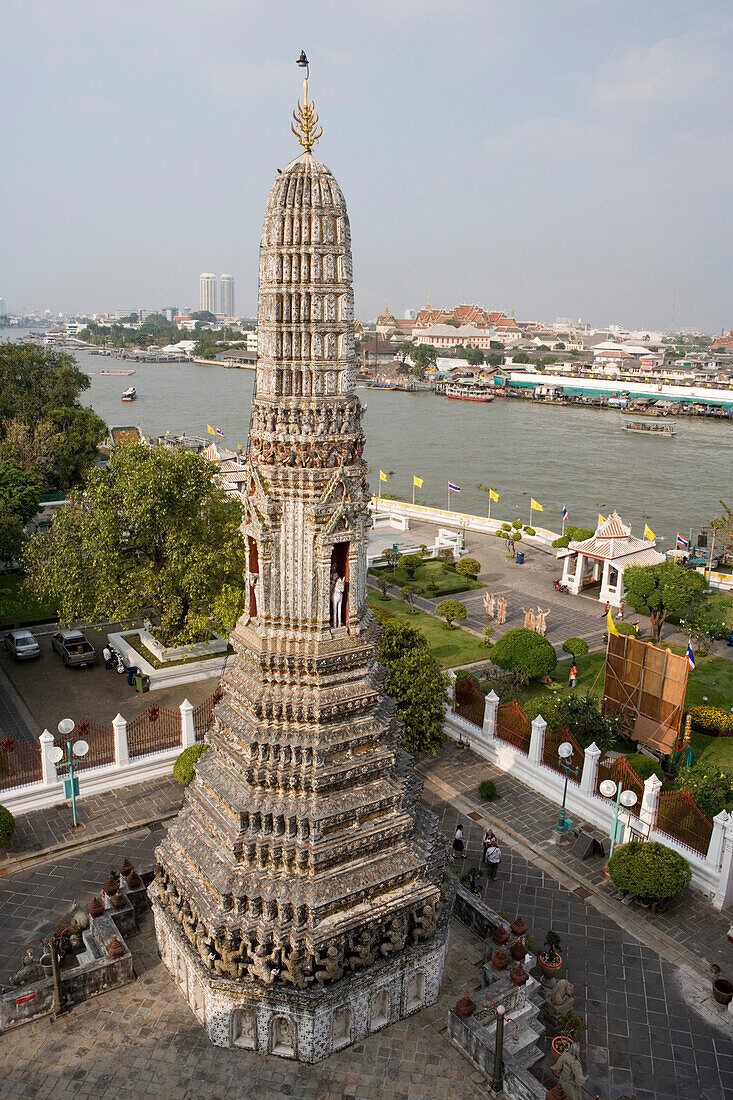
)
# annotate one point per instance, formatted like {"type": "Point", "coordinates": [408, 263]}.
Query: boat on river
{"type": "Point", "coordinates": [118, 372]}
{"type": "Point", "coordinates": [129, 394]}
{"type": "Point", "coordinates": [649, 427]}
{"type": "Point", "coordinates": [470, 391]}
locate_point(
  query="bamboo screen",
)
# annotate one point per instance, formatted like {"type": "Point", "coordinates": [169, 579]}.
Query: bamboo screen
{"type": "Point", "coordinates": [649, 683]}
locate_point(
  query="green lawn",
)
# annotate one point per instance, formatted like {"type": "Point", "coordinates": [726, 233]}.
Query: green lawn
{"type": "Point", "coordinates": [447, 582]}
{"type": "Point", "coordinates": [17, 608]}
{"type": "Point", "coordinates": [451, 647]}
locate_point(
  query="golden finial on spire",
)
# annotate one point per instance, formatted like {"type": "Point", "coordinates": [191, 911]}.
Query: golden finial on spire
{"type": "Point", "coordinates": [308, 132]}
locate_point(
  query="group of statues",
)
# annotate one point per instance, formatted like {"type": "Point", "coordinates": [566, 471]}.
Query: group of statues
{"type": "Point", "coordinates": [326, 420]}
{"type": "Point", "coordinates": [536, 619]}
{"type": "Point", "coordinates": [495, 606]}
{"type": "Point", "coordinates": [240, 955]}
{"type": "Point", "coordinates": [307, 455]}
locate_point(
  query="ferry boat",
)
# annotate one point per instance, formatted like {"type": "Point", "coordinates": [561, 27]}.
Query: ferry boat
{"type": "Point", "coordinates": [649, 427]}
{"type": "Point", "coordinates": [129, 394]}
{"type": "Point", "coordinates": [118, 372]}
{"type": "Point", "coordinates": [376, 384]}
{"type": "Point", "coordinates": [470, 391]}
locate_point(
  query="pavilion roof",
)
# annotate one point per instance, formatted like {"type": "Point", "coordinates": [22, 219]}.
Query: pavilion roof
{"type": "Point", "coordinates": [613, 541]}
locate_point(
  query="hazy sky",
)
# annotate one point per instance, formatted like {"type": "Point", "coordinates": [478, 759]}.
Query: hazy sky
{"type": "Point", "coordinates": [558, 157]}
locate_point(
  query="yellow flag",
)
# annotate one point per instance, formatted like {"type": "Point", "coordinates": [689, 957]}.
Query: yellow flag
{"type": "Point", "coordinates": [210, 430]}
{"type": "Point", "coordinates": [493, 494]}
{"type": "Point", "coordinates": [382, 475]}
{"type": "Point", "coordinates": [417, 481]}
{"type": "Point", "coordinates": [537, 507]}
{"type": "Point", "coordinates": [601, 519]}
{"type": "Point", "coordinates": [610, 623]}
{"type": "Point", "coordinates": [648, 533]}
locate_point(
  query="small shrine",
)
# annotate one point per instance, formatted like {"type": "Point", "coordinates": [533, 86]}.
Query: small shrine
{"type": "Point", "coordinates": [600, 560]}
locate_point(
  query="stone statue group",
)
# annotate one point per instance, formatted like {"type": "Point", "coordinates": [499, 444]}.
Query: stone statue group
{"type": "Point", "coordinates": [536, 619]}
{"type": "Point", "coordinates": [495, 606]}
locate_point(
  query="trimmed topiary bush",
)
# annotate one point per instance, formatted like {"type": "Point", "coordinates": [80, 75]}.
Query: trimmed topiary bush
{"type": "Point", "coordinates": [649, 870]}
{"type": "Point", "coordinates": [525, 653]}
{"type": "Point", "coordinates": [487, 790]}
{"type": "Point", "coordinates": [712, 720]}
{"type": "Point", "coordinates": [468, 567]}
{"type": "Point", "coordinates": [184, 766]}
{"type": "Point", "coordinates": [561, 542]}
{"type": "Point", "coordinates": [627, 628]}
{"type": "Point", "coordinates": [453, 611]}
{"type": "Point", "coordinates": [7, 826]}
{"type": "Point", "coordinates": [530, 531]}
{"type": "Point", "coordinates": [577, 646]}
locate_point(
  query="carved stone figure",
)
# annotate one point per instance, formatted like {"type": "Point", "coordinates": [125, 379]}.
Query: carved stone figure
{"type": "Point", "coordinates": [231, 961]}
{"type": "Point", "coordinates": [530, 622]}
{"type": "Point", "coordinates": [541, 623]}
{"type": "Point", "coordinates": [29, 972]}
{"type": "Point", "coordinates": [560, 1001]}
{"type": "Point", "coordinates": [262, 965]}
{"type": "Point", "coordinates": [332, 965]}
{"type": "Point", "coordinates": [337, 599]}
{"type": "Point", "coordinates": [394, 938]}
{"type": "Point", "coordinates": [425, 924]}
{"type": "Point", "coordinates": [364, 951]}
{"type": "Point", "coordinates": [295, 968]}
{"type": "Point", "coordinates": [501, 610]}
{"type": "Point", "coordinates": [489, 605]}
{"type": "Point", "coordinates": [570, 1074]}
{"type": "Point", "coordinates": [204, 945]}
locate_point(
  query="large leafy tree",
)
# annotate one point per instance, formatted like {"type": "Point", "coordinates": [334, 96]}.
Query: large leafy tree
{"type": "Point", "coordinates": [416, 684]}
{"type": "Point", "coordinates": [42, 423]}
{"type": "Point", "coordinates": [663, 590]}
{"type": "Point", "coordinates": [19, 498]}
{"type": "Point", "coordinates": [153, 534]}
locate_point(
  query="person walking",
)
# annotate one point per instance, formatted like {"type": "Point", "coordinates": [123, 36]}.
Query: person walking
{"type": "Point", "coordinates": [573, 677]}
{"type": "Point", "coordinates": [458, 847]}
{"type": "Point", "coordinates": [493, 858]}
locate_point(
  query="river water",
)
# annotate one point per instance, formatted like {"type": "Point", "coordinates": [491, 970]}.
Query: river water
{"type": "Point", "coordinates": [558, 455]}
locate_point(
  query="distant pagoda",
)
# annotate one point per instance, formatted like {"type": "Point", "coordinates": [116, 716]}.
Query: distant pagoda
{"type": "Point", "coordinates": [297, 898]}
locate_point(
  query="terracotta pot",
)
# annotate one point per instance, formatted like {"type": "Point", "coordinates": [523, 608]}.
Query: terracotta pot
{"type": "Point", "coordinates": [519, 927]}
{"type": "Point", "coordinates": [500, 961]}
{"type": "Point", "coordinates": [111, 886]}
{"type": "Point", "coordinates": [559, 1044]}
{"type": "Point", "coordinates": [500, 935]}
{"type": "Point", "coordinates": [115, 949]}
{"type": "Point", "coordinates": [465, 1007]}
{"type": "Point", "coordinates": [722, 991]}
{"type": "Point", "coordinates": [518, 974]}
{"type": "Point", "coordinates": [518, 950]}
{"type": "Point", "coordinates": [95, 907]}
{"type": "Point", "coordinates": [125, 868]}
{"type": "Point", "coordinates": [550, 970]}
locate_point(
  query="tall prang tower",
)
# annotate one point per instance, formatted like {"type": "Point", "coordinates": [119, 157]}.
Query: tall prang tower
{"type": "Point", "coordinates": [298, 898]}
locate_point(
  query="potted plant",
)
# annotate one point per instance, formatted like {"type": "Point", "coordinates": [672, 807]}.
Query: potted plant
{"type": "Point", "coordinates": [569, 1027]}
{"type": "Point", "coordinates": [550, 959]}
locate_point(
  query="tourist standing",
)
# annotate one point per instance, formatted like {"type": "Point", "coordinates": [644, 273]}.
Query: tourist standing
{"type": "Point", "coordinates": [458, 848]}
{"type": "Point", "coordinates": [488, 840]}
{"type": "Point", "coordinates": [573, 677]}
{"type": "Point", "coordinates": [493, 858]}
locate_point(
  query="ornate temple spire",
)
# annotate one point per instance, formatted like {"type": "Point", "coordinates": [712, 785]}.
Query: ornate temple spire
{"type": "Point", "coordinates": [305, 118]}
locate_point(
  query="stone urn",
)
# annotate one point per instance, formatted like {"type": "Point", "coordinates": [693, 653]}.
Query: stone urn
{"type": "Point", "coordinates": [115, 949]}
{"type": "Point", "coordinates": [500, 960]}
{"type": "Point", "coordinates": [95, 907]}
{"type": "Point", "coordinates": [518, 974]}
{"type": "Point", "coordinates": [133, 881]}
{"type": "Point", "coordinates": [111, 887]}
{"type": "Point", "coordinates": [118, 901]}
{"type": "Point", "coordinates": [125, 868]}
{"type": "Point", "coordinates": [519, 927]}
{"type": "Point", "coordinates": [465, 1007]}
{"type": "Point", "coordinates": [518, 950]}
{"type": "Point", "coordinates": [500, 935]}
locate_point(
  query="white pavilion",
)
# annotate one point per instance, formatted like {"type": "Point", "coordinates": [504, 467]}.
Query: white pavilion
{"type": "Point", "coordinates": [602, 559]}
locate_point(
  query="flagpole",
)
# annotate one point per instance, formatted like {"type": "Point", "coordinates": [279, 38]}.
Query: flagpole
{"type": "Point", "coordinates": [413, 489]}
{"type": "Point", "coordinates": [563, 521]}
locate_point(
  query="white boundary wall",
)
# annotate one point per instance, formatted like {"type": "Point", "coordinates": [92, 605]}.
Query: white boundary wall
{"type": "Point", "coordinates": [712, 873]}
{"type": "Point", "coordinates": [398, 508]}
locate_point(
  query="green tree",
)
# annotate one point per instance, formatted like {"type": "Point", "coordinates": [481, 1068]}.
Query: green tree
{"type": "Point", "coordinates": [152, 534]}
{"type": "Point", "coordinates": [577, 646]}
{"type": "Point", "coordinates": [409, 564]}
{"type": "Point", "coordinates": [651, 871]}
{"type": "Point", "coordinates": [474, 356]}
{"type": "Point", "coordinates": [383, 585]}
{"type": "Point", "coordinates": [403, 350]}
{"type": "Point", "coordinates": [408, 593]}
{"type": "Point", "coordinates": [468, 567]}
{"type": "Point", "coordinates": [416, 684]}
{"type": "Point", "coordinates": [663, 590]}
{"type": "Point", "coordinates": [521, 357]}
{"type": "Point", "coordinates": [453, 611]}
{"type": "Point", "coordinates": [20, 492]}
{"type": "Point", "coordinates": [525, 653]}
{"type": "Point", "coordinates": [423, 356]}
{"type": "Point", "coordinates": [204, 315]}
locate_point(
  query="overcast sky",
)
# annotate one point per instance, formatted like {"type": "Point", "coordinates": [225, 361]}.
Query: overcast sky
{"type": "Point", "coordinates": [557, 157]}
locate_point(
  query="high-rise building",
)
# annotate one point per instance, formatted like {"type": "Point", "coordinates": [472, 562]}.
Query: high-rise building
{"type": "Point", "coordinates": [299, 895]}
{"type": "Point", "coordinates": [227, 295]}
{"type": "Point", "coordinates": [207, 292]}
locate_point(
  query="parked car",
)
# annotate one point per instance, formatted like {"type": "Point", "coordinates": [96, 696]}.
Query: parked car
{"type": "Point", "coordinates": [74, 649]}
{"type": "Point", "coordinates": [22, 644]}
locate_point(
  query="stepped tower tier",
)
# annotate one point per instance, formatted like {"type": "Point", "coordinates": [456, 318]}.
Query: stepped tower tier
{"type": "Point", "coordinates": [298, 894]}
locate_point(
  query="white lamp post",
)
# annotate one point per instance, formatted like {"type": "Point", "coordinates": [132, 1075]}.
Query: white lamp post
{"type": "Point", "coordinates": [627, 799]}
{"type": "Point", "coordinates": [78, 749]}
{"type": "Point", "coordinates": [565, 752]}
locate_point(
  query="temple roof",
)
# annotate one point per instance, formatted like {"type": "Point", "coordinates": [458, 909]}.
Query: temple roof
{"type": "Point", "coordinates": [614, 542]}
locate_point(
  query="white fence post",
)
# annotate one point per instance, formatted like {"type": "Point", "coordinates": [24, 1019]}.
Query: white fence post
{"type": "Point", "coordinates": [537, 741]}
{"type": "Point", "coordinates": [715, 847]}
{"type": "Point", "coordinates": [650, 801]}
{"type": "Point", "coordinates": [491, 707]}
{"type": "Point", "coordinates": [48, 768]}
{"type": "Point", "coordinates": [451, 687]}
{"type": "Point", "coordinates": [122, 752]}
{"type": "Point", "coordinates": [188, 732]}
{"type": "Point", "coordinates": [724, 893]}
{"type": "Point", "coordinates": [589, 774]}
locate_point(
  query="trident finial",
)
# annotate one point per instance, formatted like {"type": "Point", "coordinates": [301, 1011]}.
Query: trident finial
{"type": "Point", "coordinates": [306, 119]}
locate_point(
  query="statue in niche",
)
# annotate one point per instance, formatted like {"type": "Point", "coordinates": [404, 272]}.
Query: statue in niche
{"type": "Point", "coordinates": [425, 924]}
{"type": "Point", "coordinates": [263, 965]}
{"type": "Point", "coordinates": [338, 587]}
{"type": "Point", "coordinates": [253, 582]}
{"type": "Point", "coordinates": [394, 938]}
{"type": "Point", "coordinates": [332, 965]}
{"type": "Point", "coordinates": [570, 1074]}
{"type": "Point", "coordinates": [282, 1034]}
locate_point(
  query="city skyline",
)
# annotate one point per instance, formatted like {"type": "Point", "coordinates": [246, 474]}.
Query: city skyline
{"type": "Point", "coordinates": [597, 185]}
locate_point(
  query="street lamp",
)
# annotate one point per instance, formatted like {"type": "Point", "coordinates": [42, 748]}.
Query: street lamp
{"type": "Point", "coordinates": [79, 748]}
{"type": "Point", "coordinates": [565, 752]}
{"type": "Point", "coordinates": [627, 799]}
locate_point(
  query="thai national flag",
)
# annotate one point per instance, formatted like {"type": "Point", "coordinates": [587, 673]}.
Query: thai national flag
{"type": "Point", "coordinates": [220, 433]}
{"type": "Point", "coordinates": [690, 656]}
{"type": "Point", "coordinates": [453, 488]}
{"type": "Point", "coordinates": [682, 542]}
{"type": "Point", "coordinates": [565, 514]}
